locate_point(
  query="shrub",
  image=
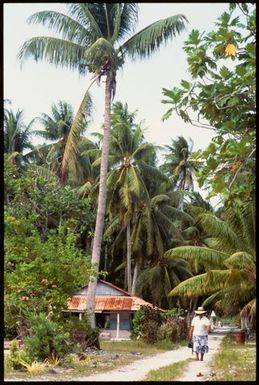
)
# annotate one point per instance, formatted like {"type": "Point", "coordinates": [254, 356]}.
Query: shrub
{"type": "Point", "coordinates": [173, 329]}
{"type": "Point", "coordinates": [81, 333]}
{"type": "Point", "coordinates": [137, 323]}
{"type": "Point", "coordinates": [46, 339]}
{"type": "Point", "coordinates": [146, 323]}
{"type": "Point", "coordinates": [16, 357]}
{"type": "Point", "coordinates": [150, 332]}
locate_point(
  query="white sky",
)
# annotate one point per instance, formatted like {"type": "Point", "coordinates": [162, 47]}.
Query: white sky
{"type": "Point", "coordinates": [36, 86]}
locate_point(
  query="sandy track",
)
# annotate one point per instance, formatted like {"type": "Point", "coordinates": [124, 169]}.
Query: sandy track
{"type": "Point", "coordinates": [138, 370]}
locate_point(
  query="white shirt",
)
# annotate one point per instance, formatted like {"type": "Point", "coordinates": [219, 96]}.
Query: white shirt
{"type": "Point", "coordinates": [200, 326]}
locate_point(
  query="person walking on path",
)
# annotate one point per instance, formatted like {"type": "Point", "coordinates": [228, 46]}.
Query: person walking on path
{"type": "Point", "coordinates": [199, 330]}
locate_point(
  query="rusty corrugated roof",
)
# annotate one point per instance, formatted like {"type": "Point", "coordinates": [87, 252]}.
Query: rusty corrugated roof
{"type": "Point", "coordinates": [107, 303]}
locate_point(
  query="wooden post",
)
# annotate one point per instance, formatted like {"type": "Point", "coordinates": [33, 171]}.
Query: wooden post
{"type": "Point", "coordinates": [118, 325]}
{"type": "Point", "coordinates": [80, 316]}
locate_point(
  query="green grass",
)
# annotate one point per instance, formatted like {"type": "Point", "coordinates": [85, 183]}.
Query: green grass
{"type": "Point", "coordinates": [168, 373]}
{"type": "Point", "coordinates": [138, 346]}
{"type": "Point", "coordinates": [234, 362]}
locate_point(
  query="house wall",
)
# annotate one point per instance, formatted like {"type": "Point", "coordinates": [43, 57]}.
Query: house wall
{"type": "Point", "coordinates": [101, 289]}
{"type": "Point", "coordinates": [125, 321]}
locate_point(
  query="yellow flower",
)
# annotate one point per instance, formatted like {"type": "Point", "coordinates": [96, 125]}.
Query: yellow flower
{"type": "Point", "coordinates": [230, 50]}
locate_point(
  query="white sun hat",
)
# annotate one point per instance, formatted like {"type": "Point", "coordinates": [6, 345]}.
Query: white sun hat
{"type": "Point", "coordinates": [200, 310]}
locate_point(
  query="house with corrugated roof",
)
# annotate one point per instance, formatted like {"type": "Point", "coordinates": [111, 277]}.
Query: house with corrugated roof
{"type": "Point", "coordinates": [114, 308]}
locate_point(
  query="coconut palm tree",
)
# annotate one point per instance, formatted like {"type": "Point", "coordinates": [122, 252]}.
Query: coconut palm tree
{"type": "Point", "coordinates": [179, 166]}
{"type": "Point", "coordinates": [94, 38]}
{"type": "Point", "coordinates": [154, 232]}
{"type": "Point", "coordinates": [155, 282]}
{"type": "Point", "coordinates": [84, 172]}
{"type": "Point", "coordinates": [125, 183]}
{"type": "Point", "coordinates": [56, 129]}
{"type": "Point", "coordinates": [17, 134]}
{"type": "Point", "coordinates": [229, 262]}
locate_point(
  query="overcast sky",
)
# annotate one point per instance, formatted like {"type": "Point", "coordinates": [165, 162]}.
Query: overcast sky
{"type": "Point", "coordinates": [36, 86]}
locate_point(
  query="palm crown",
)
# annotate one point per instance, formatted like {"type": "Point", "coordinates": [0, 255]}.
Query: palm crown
{"type": "Point", "coordinates": [94, 32]}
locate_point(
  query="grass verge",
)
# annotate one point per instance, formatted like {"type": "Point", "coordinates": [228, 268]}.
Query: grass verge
{"type": "Point", "coordinates": [120, 353]}
{"type": "Point", "coordinates": [168, 373]}
{"type": "Point", "coordinates": [234, 362]}
{"type": "Point", "coordinates": [138, 346]}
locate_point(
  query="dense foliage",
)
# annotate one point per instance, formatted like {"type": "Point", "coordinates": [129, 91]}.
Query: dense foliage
{"type": "Point", "coordinates": [221, 96]}
{"type": "Point", "coordinates": [44, 262]}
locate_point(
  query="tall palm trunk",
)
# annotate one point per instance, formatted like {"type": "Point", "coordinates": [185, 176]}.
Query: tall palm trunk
{"type": "Point", "coordinates": [135, 276]}
{"type": "Point", "coordinates": [98, 234]}
{"type": "Point", "coordinates": [128, 257]}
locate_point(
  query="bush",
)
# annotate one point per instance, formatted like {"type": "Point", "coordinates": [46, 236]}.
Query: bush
{"type": "Point", "coordinates": [137, 323]}
{"type": "Point", "coordinates": [16, 357]}
{"type": "Point", "coordinates": [47, 339]}
{"type": "Point", "coordinates": [173, 329]}
{"type": "Point", "coordinates": [146, 323]}
{"type": "Point", "coordinates": [150, 333]}
{"type": "Point", "coordinates": [81, 333]}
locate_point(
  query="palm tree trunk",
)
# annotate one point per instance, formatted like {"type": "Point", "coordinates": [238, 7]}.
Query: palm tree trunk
{"type": "Point", "coordinates": [98, 234]}
{"type": "Point", "coordinates": [128, 258]}
{"type": "Point", "coordinates": [135, 276]}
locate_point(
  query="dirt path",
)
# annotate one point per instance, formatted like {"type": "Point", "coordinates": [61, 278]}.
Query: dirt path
{"type": "Point", "coordinates": [138, 370]}
{"type": "Point", "coordinates": [202, 368]}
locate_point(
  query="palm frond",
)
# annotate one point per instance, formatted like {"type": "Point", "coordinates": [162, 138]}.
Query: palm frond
{"type": "Point", "coordinates": [220, 229]}
{"type": "Point", "coordinates": [202, 284]}
{"type": "Point", "coordinates": [143, 282]}
{"type": "Point", "coordinates": [242, 223]}
{"type": "Point", "coordinates": [120, 267]}
{"type": "Point", "coordinates": [149, 39]}
{"type": "Point", "coordinates": [167, 225]}
{"type": "Point", "coordinates": [12, 156]}
{"type": "Point", "coordinates": [249, 310]}
{"type": "Point", "coordinates": [138, 240]}
{"type": "Point", "coordinates": [190, 232]}
{"type": "Point", "coordinates": [85, 189]}
{"type": "Point", "coordinates": [158, 242]}
{"type": "Point", "coordinates": [191, 287]}
{"type": "Point", "coordinates": [144, 149]}
{"type": "Point", "coordinates": [55, 51]}
{"type": "Point", "coordinates": [240, 260]}
{"type": "Point", "coordinates": [175, 213]}
{"type": "Point", "coordinates": [69, 28]}
{"type": "Point", "coordinates": [116, 22]}
{"type": "Point", "coordinates": [161, 198]}
{"type": "Point", "coordinates": [71, 149]}
{"type": "Point", "coordinates": [203, 255]}
{"type": "Point", "coordinates": [83, 13]}
{"type": "Point", "coordinates": [113, 227]}
{"type": "Point", "coordinates": [152, 172]}
{"type": "Point", "coordinates": [128, 20]}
